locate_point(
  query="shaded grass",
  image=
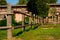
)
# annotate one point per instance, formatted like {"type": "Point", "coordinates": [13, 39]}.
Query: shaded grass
{"type": "Point", "coordinates": [34, 34]}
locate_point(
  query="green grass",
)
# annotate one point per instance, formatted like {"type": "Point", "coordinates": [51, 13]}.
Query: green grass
{"type": "Point", "coordinates": [34, 34]}
{"type": "Point", "coordinates": [40, 34]}
{"type": "Point", "coordinates": [3, 34]}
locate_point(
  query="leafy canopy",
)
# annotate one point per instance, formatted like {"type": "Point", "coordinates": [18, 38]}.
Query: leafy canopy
{"type": "Point", "coordinates": [22, 1]}
{"type": "Point", "coordinates": [39, 7]}
{"type": "Point", "coordinates": [3, 2]}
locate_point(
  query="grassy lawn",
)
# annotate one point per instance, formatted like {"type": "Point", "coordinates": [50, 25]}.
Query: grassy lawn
{"type": "Point", "coordinates": [34, 34]}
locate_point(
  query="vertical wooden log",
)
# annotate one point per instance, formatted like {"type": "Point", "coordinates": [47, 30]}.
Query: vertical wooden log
{"type": "Point", "coordinates": [30, 20]}
{"type": "Point", "coordinates": [23, 24]}
{"type": "Point", "coordinates": [23, 19]}
{"type": "Point", "coordinates": [9, 22]}
{"type": "Point", "coordinates": [38, 19]}
{"type": "Point", "coordinates": [9, 31]}
{"type": "Point", "coordinates": [55, 20]}
{"type": "Point", "coordinates": [34, 19]}
{"type": "Point", "coordinates": [59, 19]}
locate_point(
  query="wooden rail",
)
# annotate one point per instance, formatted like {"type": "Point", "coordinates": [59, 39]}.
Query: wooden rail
{"type": "Point", "coordinates": [15, 27]}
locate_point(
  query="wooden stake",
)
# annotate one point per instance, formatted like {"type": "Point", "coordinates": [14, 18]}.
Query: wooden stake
{"type": "Point", "coordinates": [9, 22]}
{"type": "Point", "coordinates": [23, 22]}
{"type": "Point", "coordinates": [30, 20]}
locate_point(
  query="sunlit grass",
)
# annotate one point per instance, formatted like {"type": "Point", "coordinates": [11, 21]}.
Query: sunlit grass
{"type": "Point", "coordinates": [34, 34]}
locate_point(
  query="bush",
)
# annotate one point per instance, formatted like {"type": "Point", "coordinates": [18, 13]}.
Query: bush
{"type": "Point", "coordinates": [3, 22]}
{"type": "Point", "coordinates": [26, 20]}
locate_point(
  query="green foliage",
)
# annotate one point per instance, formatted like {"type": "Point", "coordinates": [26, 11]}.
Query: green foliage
{"type": "Point", "coordinates": [22, 1]}
{"type": "Point", "coordinates": [52, 11]}
{"type": "Point", "coordinates": [26, 20]}
{"type": "Point", "coordinates": [52, 1]}
{"type": "Point", "coordinates": [3, 2]}
{"type": "Point", "coordinates": [49, 1]}
{"type": "Point", "coordinates": [40, 7]}
{"type": "Point", "coordinates": [31, 6]}
{"type": "Point", "coordinates": [43, 7]}
{"type": "Point", "coordinates": [3, 22]}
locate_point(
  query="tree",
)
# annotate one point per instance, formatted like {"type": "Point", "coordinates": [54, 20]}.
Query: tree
{"type": "Point", "coordinates": [3, 2]}
{"type": "Point", "coordinates": [52, 11]}
{"type": "Point", "coordinates": [22, 1]}
{"type": "Point", "coordinates": [31, 6]}
{"type": "Point", "coordinates": [40, 7]}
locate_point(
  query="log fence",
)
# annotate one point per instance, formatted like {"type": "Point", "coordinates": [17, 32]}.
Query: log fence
{"type": "Point", "coordinates": [9, 26]}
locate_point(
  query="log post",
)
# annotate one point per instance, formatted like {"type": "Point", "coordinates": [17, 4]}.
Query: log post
{"type": "Point", "coordinates": [34, 19]}
{"type": "Point", "coordinates": [23, 19]}
{"type": "Point", "coordinates": [23, 23]}
{"type": "Point", "coordinates": [9, 31]}
{"type": "Point", "coordinates": [38, 19]}
{"type": "Point", "coordinates": [30, 20]}
{"type": "Point", "coordinates": [9, 22]}
{"type": "Point", "coordinates": [55, 19]}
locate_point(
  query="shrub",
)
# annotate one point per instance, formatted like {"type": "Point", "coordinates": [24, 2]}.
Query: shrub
{"type": "Point", "coordinates": [26, 20]}
{"type": "Point", "coordinates": [3, 22]}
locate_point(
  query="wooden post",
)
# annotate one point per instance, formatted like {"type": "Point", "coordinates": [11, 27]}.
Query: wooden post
{"type": "Point", "coordinates": [9, 31]}
{"type": "Point", "coordinates": [30, 20]}
{"type": "Point", "coordinates": [9, 22]}
{"type": "Point", "coordinates": [38, 19]}
{"type": "Point", "coordinates": [55, 21]}
{"type": "Point", "coordinates": [23, 23]}
{"type": "Point", "coordinates": [23, 19]}
{"type": "Point", "coordinates": [34, 19]}
{"type": "Point", "coordinates": [59, 19]}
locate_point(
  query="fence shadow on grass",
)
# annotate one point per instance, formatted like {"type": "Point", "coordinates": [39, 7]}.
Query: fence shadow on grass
{"type": "Point", "coordinates": [18, 33]}
{"type": "Point", "coordinates": [34, 27]}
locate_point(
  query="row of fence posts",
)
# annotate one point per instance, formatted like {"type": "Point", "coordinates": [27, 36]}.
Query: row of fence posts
{"type": "Point", "coordinates": [9, 21]}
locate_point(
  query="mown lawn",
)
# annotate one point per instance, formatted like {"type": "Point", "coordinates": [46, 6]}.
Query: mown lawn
{"type": "Point", "coordinates": [34, 34]}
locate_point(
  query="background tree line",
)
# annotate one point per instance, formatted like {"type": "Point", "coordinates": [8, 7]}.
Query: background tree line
{"type": "Point", "coordinates": [38, 7]}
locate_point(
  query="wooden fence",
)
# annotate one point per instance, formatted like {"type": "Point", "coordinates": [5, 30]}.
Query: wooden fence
{"type": "Point", "coordinates": [9, 26]}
